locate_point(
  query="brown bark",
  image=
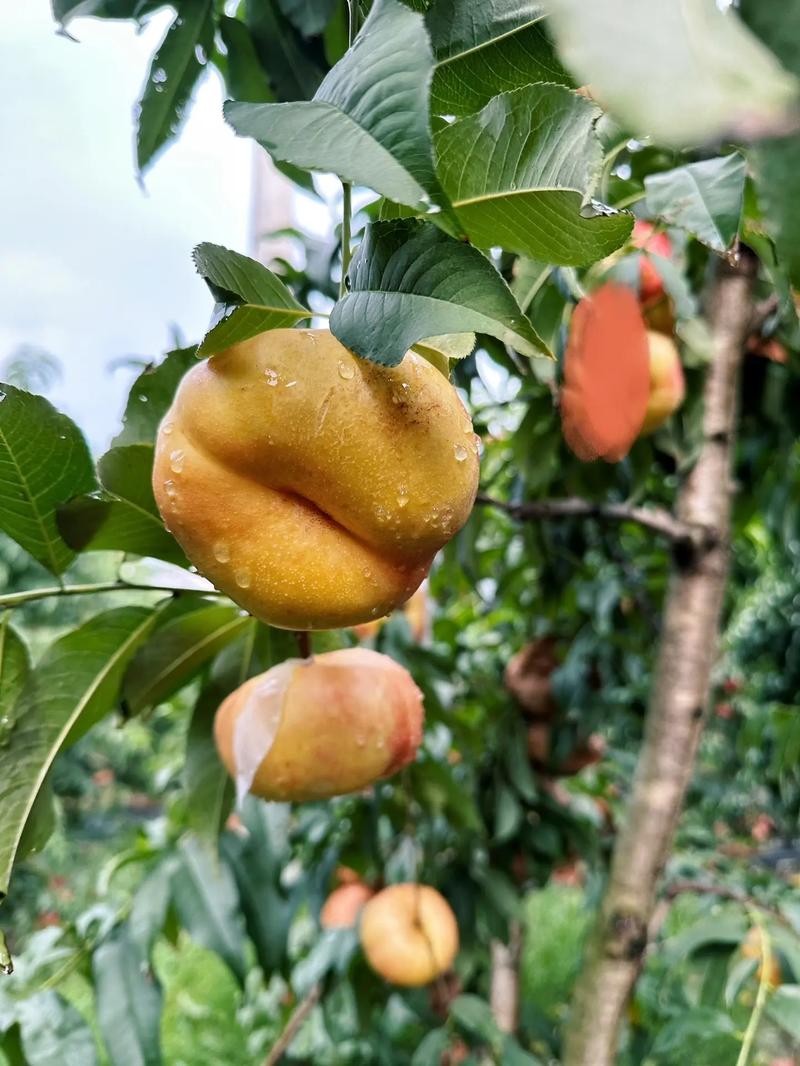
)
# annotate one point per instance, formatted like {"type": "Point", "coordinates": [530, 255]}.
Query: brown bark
{"type": "Point", "coordinates": [679, 696]}
{"type": "Point", "coordinates": [504, 989]}
{"type": "Point", "coordinates": [293, 1026]}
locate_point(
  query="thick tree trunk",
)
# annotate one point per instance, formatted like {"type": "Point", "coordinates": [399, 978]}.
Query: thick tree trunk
{"type": "Point", "coordinates": [680, 693]}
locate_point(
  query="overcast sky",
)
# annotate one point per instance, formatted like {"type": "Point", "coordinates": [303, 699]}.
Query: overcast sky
{"type": "Point", "coordinates": [91, 267]}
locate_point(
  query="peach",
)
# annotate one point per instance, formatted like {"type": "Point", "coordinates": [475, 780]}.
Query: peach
{"type": "Point", "coordinates": [648, 239]}
{"type": "Point", "coordinates": [313, 487]}
{"type": "Point", "coordinates": [313, 728]}
{"type": "Point", "coordinates": [667, 385]}
{"type": "Point", "coordinates": [409, 934]}
{"type": "Point", "coordinates": [344, 905]}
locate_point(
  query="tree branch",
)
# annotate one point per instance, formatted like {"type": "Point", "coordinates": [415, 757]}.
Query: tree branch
{"type": "Point", "coordinates": [298, 1016]}
{"type": "Point", "coordinates": [679, 695]}
{"type": "Point", "coordinates": [16, 599]}
{"type": "Point", "coordinates": [654, 518]}
{"type": "Point", "coordinates": [504, 988]}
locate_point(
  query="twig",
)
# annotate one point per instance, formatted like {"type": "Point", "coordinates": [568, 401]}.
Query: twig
{"type": "Point", "coordinates": [304, 643]}
{"type": "Point", "coordinates": [763, 990]}
{"type": "Point", "coordinates": [724, 892]}
{"type": "Point", "coordinates": [654, 518]}
{"type": "Point", "coordinates": [299, 1015]}
{"type": "Point", "coordinates": [14, 599]}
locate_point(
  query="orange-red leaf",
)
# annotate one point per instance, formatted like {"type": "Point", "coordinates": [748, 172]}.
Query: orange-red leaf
{"type": "Point", "coordinates": [606, 375]}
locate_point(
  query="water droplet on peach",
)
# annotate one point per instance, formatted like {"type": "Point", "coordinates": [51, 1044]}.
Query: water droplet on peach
{"type": "Point", "coordinates": [242, 577]}
{"type": "Point", "coordinates": [271, 377]}
{"type": "Point", "coordinates": [176, 460]}
{"type": "Point", "coordinates": [171, 489]}
{"type": "Point", "coordinates": [346, 370]}
{"type": "Point", "coordinates": [460, 453]}
{"type": "Point", "coordinates": [222, 552]}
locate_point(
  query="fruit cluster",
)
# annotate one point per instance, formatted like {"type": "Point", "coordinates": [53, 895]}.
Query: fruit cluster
{"type": "Point", "coordinates": [315, 488]}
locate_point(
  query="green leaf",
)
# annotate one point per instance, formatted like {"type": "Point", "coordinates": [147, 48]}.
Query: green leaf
{"type": "Point", "coordinates": [40, 823]}
{"type": "Point", "coordinates": [729, 929]}
{"type": "Point", "coordinates": [703, 198]}
{"type": "Point", "coordinates": [205, 899]}
{"type": "Point", "coordinates": [44, 462]}
{"type": "Point", "coordinates": [475, 1015]}
{"type": "Point", "coordinates": [15, 666]}
{"type": "Point", "coordinates": [409, 281]}
{"type": "Point", "coordinates": [74, 685]}
{"type": "Point", "coordinates": [208, 788]}
{"type": "Point", "coordinates": [784, 1009]}
{"type": "Point", "coordinates": [778, 26]}
{"type": "Point", "coordinates": [256, 863]}
{"type": "Point", "coordinates": [128, 1003]}
{"type": "Point", "coordinates": [514, 1055]}
{"type": "Point", "coordinates": [151, 396]}
{"type": "Point", "coordinates": [245, 77]}
{"type": "Point", "coordinates": [432, 1048]}
{"type": "Point", "coordinates": [177, 651]}
{"type": "Point", "coordinates": [127, 519]}
{"type": "Point", "coordinates": [11, 1046]}
{"type": "Point", "coordinates": [485, 49]}
{"type": "Point", "coordinates": [66, 10]}
{"type": "Point", "coordinates": [310, 17]}
{"type": "Point", "coordinates": [776, 164]}
{"type": "Point", "coordinates": [176, 66]}
{"type": "Point", "coordinates": [150, 906]}
{"type": "Point", "coordinates": [643, 63]}
{"type": "Point", "coordinates": [518, 174]}
{"type": "Point", "coordinates": [55, 1031]}
{"type": "Point", "coordinates": [250, 298]}
{"type": "Point", "coordinates": [368, 121]}
{"type": "Point", "coordinates": [293, 72]}
{"type": "Point", "coordinates": [332, 951]}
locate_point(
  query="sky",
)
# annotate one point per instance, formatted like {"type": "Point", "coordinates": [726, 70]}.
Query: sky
{"type": "Point", "coordinates": [92, 268]}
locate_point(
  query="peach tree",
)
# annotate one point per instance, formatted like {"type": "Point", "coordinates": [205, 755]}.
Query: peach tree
{"type": "Point", "coordinates": [585, 248]}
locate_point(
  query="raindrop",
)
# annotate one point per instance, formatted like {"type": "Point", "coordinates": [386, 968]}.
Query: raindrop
{"type": "Point", "coordinates": [402, 496]}
{"type": "Point", "coordinates": [200, 53]}
{"type": "Point", "coordinates": [143, 399]}
{"type": "Point", "coordinates": [170, 489]}
{"type": "Point", "coordinates": [460, 453]}
{"type": "Point", "coordinates": [346, 370]}
{"type": "Point", "coordinates": [271, 377]}
{"type": "Point", "coordinates": [176, 460]}
{"type": "Point", "coordinates": [242, 578]}
{"type": "Point", "coordinates": [290, 384]}
{"type": "Point", "coordinates": [222, 552]}
{"type": "Point", "coordinates": [167, 428]}
{"type": "Point", "coordinates": [311, 335]}
{"type": "Point", "coordinates": [159, 88]}
{"type": "Point", "coordinates": [159, 75]}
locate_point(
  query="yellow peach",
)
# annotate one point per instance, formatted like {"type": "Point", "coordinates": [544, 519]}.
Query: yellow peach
{"type": "Point", "coordinates": [313, 487]}
{"type": "Point", "coordinates": [313, 728]}
{"type": "Point", "coordinates": [344, 905]}
{"type": "Point", "coordinates": [667, 386]}
{"type": "Point", "coordinates": [409, 934]}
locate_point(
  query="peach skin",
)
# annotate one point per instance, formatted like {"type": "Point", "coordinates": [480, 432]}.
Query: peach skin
{"type": "Point", "coordinates": [313, 487]}
{"type": "Point", "coordinates": [313, 728]}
